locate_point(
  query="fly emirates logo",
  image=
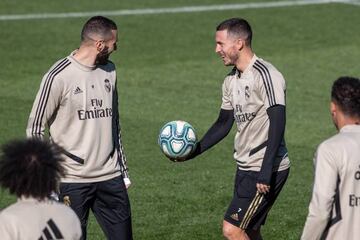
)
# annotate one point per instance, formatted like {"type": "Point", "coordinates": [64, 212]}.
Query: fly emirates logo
{"type": "Point", "coordinates": [97, 111]}
{"type": "Point", "coordinates": [354, 200]}
{"type": "Point", "coordinates": [241, 116]}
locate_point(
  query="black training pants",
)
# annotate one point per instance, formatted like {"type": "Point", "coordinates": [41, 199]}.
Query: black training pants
{"type": "Point", "coordinates": [109, 202]}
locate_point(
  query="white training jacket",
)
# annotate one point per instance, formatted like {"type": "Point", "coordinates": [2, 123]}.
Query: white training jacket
{"type": "Point", "coordinates": [334, 211]}
{"type": "Point", "coordinates": [79, 105]}
{"type": "Point", "coordinates": [30, 218]}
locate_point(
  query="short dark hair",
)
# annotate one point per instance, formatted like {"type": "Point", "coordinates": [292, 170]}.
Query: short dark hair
{"type": "Point", "coordinates": [237, 27]}
{"type": "Point", "coordinates": [346, 94]}
{"type": "Point", "coordinates": [31, 168]}
{"type": "Point", "coordinates": [98, 25]}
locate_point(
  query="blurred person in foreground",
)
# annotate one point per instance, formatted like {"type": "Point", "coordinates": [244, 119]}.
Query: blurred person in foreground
{"type": "Point", "coordinates": [78, 102]}
{"type": "Point", "coordinates": [31, 169]}
{"type": "Point", "coordinates": [334, 210]}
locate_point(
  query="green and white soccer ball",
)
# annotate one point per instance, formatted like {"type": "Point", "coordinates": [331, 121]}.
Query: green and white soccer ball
{"type": "Point", "coordinates": [177, 139]}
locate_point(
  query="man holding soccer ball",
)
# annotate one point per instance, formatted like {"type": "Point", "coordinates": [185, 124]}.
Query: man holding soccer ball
{"type": "Point", "coordinates": [253, 95]}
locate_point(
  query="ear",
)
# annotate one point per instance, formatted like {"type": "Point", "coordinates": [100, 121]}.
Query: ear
{"type": "Point", "coordinates": [100, 45]}
{"type": "Point", "coordinates": [333, 109]}
{"type": "Point", "coordinates": [240, 44]}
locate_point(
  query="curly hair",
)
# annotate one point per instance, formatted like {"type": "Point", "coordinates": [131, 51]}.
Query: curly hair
{"type": "Point", "coordinates": [346, 94]}
{"type": "Point", "coordinates": [31, 168]}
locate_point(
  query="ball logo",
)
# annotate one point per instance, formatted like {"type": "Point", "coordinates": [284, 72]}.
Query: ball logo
{"type": "Point", "coordinates": [107, 85]}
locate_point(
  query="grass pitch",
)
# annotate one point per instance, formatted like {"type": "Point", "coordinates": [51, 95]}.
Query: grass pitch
{"type": "Point", "coordinates": [167, 70]}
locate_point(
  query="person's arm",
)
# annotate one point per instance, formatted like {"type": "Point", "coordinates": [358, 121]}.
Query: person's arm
{"type": "Point", "coordinates": [325, 193]}
{"type": "Point", "coordinates": [219, 130]}
{"type": "Point", "coordinates": [275, 135]}
{"type": "Point", "coordinates": [118, 141]}
{"type": "Point", "coordinates": [272, 87]}
{"type": "Point", "coordinates": [47, 101]}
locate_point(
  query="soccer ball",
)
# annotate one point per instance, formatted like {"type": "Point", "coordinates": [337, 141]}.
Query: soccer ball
{"type": "Point", "coordinates": [177, 139]}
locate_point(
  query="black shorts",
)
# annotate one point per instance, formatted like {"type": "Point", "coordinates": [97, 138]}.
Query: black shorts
{"type": "Point", "coordinates": [109, 202]}
{"type": "Point", "coordinates": [249, 208]}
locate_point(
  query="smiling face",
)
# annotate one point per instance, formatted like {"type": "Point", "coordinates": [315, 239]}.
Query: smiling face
{"type": "Point", "coordinates": [227, 47]}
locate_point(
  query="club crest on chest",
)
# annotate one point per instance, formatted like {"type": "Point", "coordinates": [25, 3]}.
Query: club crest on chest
{"type": "Point", "coordinates": [107, 85]}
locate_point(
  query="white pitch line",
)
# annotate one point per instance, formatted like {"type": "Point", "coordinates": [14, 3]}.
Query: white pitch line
{"type": "Point", "coordinates": [353, 2]}
{"type": "Point", "coordinates": [186, 9]}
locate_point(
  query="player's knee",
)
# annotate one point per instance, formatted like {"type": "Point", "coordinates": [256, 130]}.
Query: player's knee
{"type": "Point", "coordinates": [228, 233]}
{"type": "Point", "coordinates": [231, 232]}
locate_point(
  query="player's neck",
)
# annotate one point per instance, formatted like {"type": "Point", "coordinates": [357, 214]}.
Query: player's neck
{"type": "Point", "coordinates": [85, 56]}
{"type": "Point", "coordinates": [244, 59]}
{"type": "Point", "coordinates": [345, 120]}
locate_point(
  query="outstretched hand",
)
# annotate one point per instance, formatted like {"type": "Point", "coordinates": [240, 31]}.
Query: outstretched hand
{"type": "Point", "coordinates": [192, 154]}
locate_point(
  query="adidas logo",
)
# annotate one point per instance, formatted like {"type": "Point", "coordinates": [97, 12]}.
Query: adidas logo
{"type": "Point", "coordinates": [77, 90]}
{"type": "Point", "coordinates": [235, 216]}
{"type": "Point", "coordinates": [51, 231]}
{"type": "Point", "coordinates": [66, 201]}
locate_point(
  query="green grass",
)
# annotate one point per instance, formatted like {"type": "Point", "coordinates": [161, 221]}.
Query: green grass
{"type": "Point", "coordinates": [40, 6]}
{"type": "Point", "coordinates": [167, 70]}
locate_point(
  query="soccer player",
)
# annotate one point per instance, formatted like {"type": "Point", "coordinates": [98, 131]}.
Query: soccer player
{"type": "Point", "coordinates": [253, 95]}
{"type": "Point", "coordinates": [334, 210]}
{"type": "Point", "coordinates": [78, 102]}
{"type": "Point", "coordinates": [31, 170]}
